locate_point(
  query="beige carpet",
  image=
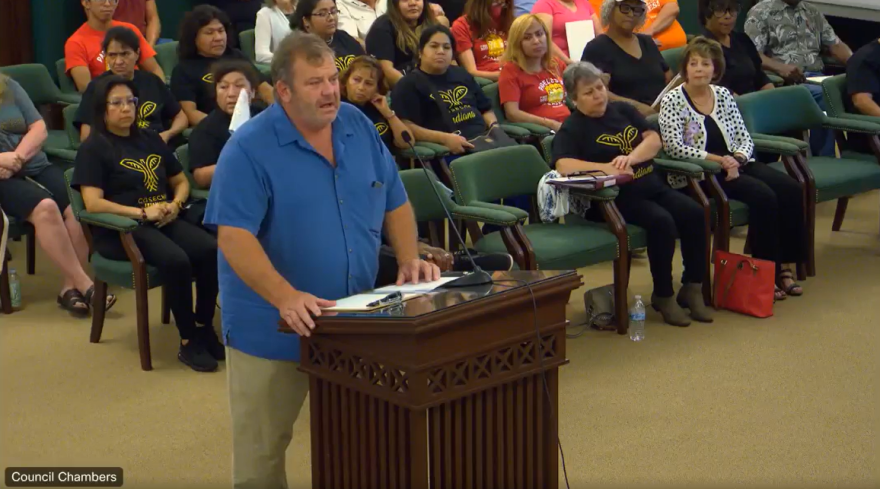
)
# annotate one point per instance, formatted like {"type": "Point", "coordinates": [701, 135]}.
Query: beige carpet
{"type": "Point", "coordinates": [787, 401]}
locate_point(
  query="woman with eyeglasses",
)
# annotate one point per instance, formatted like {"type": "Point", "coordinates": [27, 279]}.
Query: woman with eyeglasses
{"type": "Point", "coordinates": [124, 170]}
{"type": "Point", "coordinates": [481, 36]}
{"type": "Point", "coordinates": [394, 37]}
{"type": "Point", "coordinates": [203, 41]}
{"type": "Point", "coordinates": [638, 73]}
{"type": "Point", "coordinates": [157, 110]}
{"type": "Point", "coordinates": [320, 17]}
{"type": "Point", "coordinates": [744, 72]}
{"type": "Point", "coordinates": [363, 85]}
{"type": "Point", "coordinates": [530, 87]}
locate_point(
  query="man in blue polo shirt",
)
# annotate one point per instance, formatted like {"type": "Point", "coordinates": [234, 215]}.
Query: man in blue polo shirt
{"type": "Point", "coordinates": [300, 196]}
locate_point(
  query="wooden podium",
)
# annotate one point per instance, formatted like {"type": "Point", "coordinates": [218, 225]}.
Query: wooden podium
{"type": "Point", "coordinates": [443, 391]}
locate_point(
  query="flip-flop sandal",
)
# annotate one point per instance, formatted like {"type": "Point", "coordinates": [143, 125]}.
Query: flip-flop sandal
{"type": "Point", "coordinates": [111, 298]}
{"type": "Point", "coordinates": [779, 294]}
{"type": "Point", "coordinates": [73, 301]}
{"type": "Point", "coordinates": [791, 289]}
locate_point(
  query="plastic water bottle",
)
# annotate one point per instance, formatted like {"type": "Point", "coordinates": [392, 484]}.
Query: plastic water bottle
{"type": "Point", "coordinates": [14, 289]}
{"type": "Point", "coordinates": [637, 320]}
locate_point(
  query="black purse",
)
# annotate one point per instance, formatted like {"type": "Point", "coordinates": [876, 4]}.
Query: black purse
{"type": "Point", "coordinates": [493, 138]}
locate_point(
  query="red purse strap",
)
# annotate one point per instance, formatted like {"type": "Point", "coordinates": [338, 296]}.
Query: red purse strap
{"type": "Point", "coordinates": [739, 266]}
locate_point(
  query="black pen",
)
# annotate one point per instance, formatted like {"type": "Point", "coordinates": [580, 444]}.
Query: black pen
{"type": "Point", "coordinates": [388, 299]}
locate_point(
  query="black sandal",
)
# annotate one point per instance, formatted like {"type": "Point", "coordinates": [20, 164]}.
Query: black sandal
{"type": "Point", "coordinates": [73, 301]}
{"type": "Point", "coordinates": [779, 294]}
{"type": "Point", "coordinates": [786, 274]}
{"type": "Point", "coordinates": [111, 298]}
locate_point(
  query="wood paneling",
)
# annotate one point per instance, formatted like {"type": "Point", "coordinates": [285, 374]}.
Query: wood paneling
{"type": "Point", "coordinates": [16, 38]}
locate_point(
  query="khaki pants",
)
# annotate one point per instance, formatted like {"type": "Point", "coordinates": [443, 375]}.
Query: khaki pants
{"type": "Point", "coordinates": [265, 397]}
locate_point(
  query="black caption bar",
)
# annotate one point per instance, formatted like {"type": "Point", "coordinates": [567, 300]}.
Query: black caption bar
{"type": "Point", "coordinates": [64, 477]}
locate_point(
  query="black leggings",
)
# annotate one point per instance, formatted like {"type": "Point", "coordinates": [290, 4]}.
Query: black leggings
{"type": "Point", "coordinates": [666, 214]}
{"type": "Point", "coordinates": [776, 212]}
{"type": "Point", "coordinates": [179, 251]}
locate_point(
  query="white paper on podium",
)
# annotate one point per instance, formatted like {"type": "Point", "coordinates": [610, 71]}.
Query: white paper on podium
{"type": "Point", "coordinates": [242, 112]}
{"type": "Point", "coordinates": [578, 34]}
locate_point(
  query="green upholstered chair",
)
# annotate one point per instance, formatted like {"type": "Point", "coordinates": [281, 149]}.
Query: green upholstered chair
{"type": "Point", "coordinates": [248, 41]}
{"type": "Point", "coordinates": [790, 110]}
{"type": "Point", "coordinates": [23, 229]}
{"type": "Point", "coordinates": [835, 99]}
{"type": "Point", "coordinates": [65, 82]}
{"type": "Point", "coordinates": [131, 274]}
{"type": "Point", "coordinates": [69, 113]}
{"type": "Point", "coordinates": [517, 130]}
{"type": "Point", "coordinates": [482, 178]}
{"type": "Point", "coordinates": [195, 191]}
{"type": "Point", "coordinates": [166, 56]}
{"type": "Point", "coordinates": [483, 81]}
{"type": "Point", "coordinates": [673, 58]}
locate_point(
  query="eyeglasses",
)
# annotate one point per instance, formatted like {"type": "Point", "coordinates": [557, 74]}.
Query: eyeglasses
{"type": "Point", "coordinates": [118, 103]}
{"type": "Point", "coordinates": [628, 9]}
{"type": "Point", "coordinates": [326, 13]}
{"type": "Point", "coordinates": [110, 2]}
{"type": "Point", "coordinates": [722, 9]}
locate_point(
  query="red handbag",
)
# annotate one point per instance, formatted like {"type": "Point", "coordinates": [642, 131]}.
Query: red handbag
{"type": "Point", "coordinates": [744, 284]}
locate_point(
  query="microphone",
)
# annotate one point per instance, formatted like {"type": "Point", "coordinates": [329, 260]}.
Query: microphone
{"type": "Point", "coordinates": [478, 276]}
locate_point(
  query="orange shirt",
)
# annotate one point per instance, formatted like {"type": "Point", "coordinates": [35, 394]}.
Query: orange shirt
{"type": "Point", "coordinates": [671, 37]}
{"type": "Point", "coordinates": [83, 48]}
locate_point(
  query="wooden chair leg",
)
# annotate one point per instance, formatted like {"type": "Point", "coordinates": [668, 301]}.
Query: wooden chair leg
{"type": "Point", "coordinates": [811, 238]}
{"type": "Point", "coordinates": [747, 249]}
{"type": "Point", "coordinates": [526, 246]}
{"type": "Point", "coordinates": [143, 327]}
{"type": "Point", "coordinates": [621, 264]}
{"type": "Point", "coordinates": [514, 248]}
{"type": "Point", "coordinates": [99, 307]}
{"type": "Point", "coordinates": [722, 211]}
{"type": "Point", "coordinates": [31, 252]}
{"type": "Point", "coordinates": [166, 308]}
{"type": "Point", "coordinates": [839, 214]}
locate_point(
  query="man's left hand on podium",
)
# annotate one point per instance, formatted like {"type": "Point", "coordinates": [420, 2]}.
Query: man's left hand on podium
{"type": "Point", "coordinates": [417, 270]}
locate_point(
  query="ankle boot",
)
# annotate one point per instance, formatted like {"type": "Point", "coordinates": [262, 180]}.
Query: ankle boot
{"type": "Point", "coordinates": [691, 297]}
{"type": "Point", "coordinates": [672, 313]}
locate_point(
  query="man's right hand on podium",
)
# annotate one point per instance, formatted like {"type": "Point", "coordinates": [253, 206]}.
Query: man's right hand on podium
{"type": "Point", "coordinates": [298, 308]}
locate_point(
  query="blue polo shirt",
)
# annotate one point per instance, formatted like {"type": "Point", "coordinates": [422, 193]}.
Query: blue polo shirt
{"type": "Point", "coordinates": [320, 226]}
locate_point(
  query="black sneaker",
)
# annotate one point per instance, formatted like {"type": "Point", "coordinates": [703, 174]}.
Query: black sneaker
{"type": "Point", "coordinates": [208, 336]}
{"type": "Point", "coordinates": [490, 262]}
{"type": "Point", "coordinates": [194, 355]}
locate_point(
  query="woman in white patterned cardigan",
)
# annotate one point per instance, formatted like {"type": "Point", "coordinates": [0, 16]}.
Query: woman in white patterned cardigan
{"type": "Point", "coordinates": [701, 120]}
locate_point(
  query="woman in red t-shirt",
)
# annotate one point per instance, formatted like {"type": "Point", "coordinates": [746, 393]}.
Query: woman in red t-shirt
{"type": "Point", "coordinates": [530, 86]}
{"type": "Point", "coordinates": [481, 36]}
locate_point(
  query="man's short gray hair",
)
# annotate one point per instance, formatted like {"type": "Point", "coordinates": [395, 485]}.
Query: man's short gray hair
{"type": "Point", "coordinates": [297, 44]}
{"type": "Point", "coordinates": [608, 9]}
{"type": "Point", "coordinates": [577, 73]}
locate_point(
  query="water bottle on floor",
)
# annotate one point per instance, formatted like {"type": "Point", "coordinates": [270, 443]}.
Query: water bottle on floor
{"type": "Point", "coordinates": [637, 320]}
{"type": "Point", "coordinates": [14, 289]}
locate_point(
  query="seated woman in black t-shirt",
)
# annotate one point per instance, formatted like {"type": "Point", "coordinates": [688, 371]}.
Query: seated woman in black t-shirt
{"type": "Point", "coordinates": [744, 72]}
{"type": "Point", "coordinates": [701, 120]}
{"type": "Point", "coordinates": [363, 85]}
{"type": "Point", "coordinates": [321, 18]}
{"type": "Point", "coordinates": [614, 138]}
{"type": "Point", "coordinates": [124, 170]}
{"type": "Point", "coordinates": [462, 98]}
{"type": "Point", "coordinates": [157, 108]}
{"type": "Point", "coordinates": [638, 73]}
{"type": "Point", "coordinates": [203, 41]}
{"type": "Point", "coordinates": [394, 37]}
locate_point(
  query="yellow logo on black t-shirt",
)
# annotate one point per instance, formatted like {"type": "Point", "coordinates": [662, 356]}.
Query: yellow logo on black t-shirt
{"type": "Point", "coordinates": [342, 62]}
{"type": "Point", "coordinates": [381, 128]}
{"type": "Point", "coordinates": [454, 97]}
{"type": "Point", "coordinates": [147, 168]}
{"type": "Point", "coordinates": [208, 78]}
{"type": "Point", "coordinates": [622, 140]}
{"type": "Point", "coordinates": [146, 110]}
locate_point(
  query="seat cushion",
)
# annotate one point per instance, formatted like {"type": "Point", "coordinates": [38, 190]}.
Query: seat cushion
{"type": "Point", "coordinates": [58, 139]}
{"type": "Point", "coordinates": [120, 273]}
{"type": "Point", "coordinates": [836, 178]}
{"type": "Point", "coordinates": [561, 246]}
{"type": "Point", "coordinates": [638, 237]}
{"type": "Point", "coordinates": [739, 212]}
{"type": "Point", "coordinates": [17, 229]}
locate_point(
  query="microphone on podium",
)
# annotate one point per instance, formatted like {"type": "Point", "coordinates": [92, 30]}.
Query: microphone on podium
{"type": "Point", "coordinates": [476, 277]}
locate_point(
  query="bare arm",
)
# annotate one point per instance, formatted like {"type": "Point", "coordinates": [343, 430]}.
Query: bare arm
{"type": "Point", "coordinates": [266, 94]}
{"type": "Point", "coordinates": [81, 77]}
{"type": "Point", "coordinates": [178, 125]}
{"type": "Point", "coordinates": [428, 135]}
{"type": "Point", "coordinates": [649, 147]}
{"type": "Point", "coordinates": [866, 104]}
{"type": "Point", "coordinates": [841, 52]}
{"type": "Point", "coordinates": [180, 185]}
{"type": "Point", "coordinates": [466, 60]}
{"type": "Point", "coordinates": [93, 198]}
{"type": "Point", "coordinates": [392, 76]}
{"type": "Point", "coordinates": [32, 142]}
{"type": "Point", "coordinates": [204, 175]}
{"type": "Point", "coordinates": [515, 114]}
{"type": "Point", "coordinates": [665, 18]}
{"type": "Point", "coordinates": [151, 65]}
{"type": "Point", "coordinates": [400, 229]}
{"type": "Point", "coordinates": [489, 118]}
{"type": "Point", "coordinates": [249, 261]}
{"type": "Point", "coordinates": [192, 113]}
{"type": "Point", "coordinates": [398, 128]}
{"type": "Point", "coordinates": [768, 86]}
{"type": "Point", "coordinates": [567, 166]}
{"type": "Point", "coordinates": [154, 25]}
{"type": "Point", "coordinates": [84, 131]}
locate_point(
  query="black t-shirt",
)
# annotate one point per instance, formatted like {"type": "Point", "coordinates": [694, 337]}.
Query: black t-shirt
{"type": "Point", "coordinates": [156, 105]}
{"type": "Point", "coordinates": [638, 79]}
{"type": "Point", "coordinates": [743, 71]}
{"type": "Point", "coordinates": [132, 171]}
{"type": "Point", "coordinates": [461, 96]}
{"type": "Point", "coordinates": [863, 73]}
{"type": "Point", "coordinates": [382, 43]}
{"type": "Point", "coordinates": [210, 135]}
{"type": "Point", "coordinates": [601, 139]}
{"type": "Point", "coordinates": [192, 81]}
{"type": "Point", "coordinates": [345, 49]}
{"type": "Point", "coordinates": [382, 126]}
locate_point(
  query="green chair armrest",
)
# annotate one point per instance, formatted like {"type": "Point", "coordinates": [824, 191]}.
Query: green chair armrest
{"type": "Point", "coordinates": [779, 145]}
{"type": "Point", "coordinates": [438, 149]}
{"type": "Point", "coordinates": [422, 152]}
{"type": "Point", "coordinates": [706, 165]}
{"type": "Point", "coordinates": [679, 167]}
{"type": "Point", "coordinates": [515, 131]}
{"type": "Point", "coordinates": [69, 98]}
{"type": "Point", "coordinates": [487, 215]}
{"type": "Point", "coordinates": [534, 129]}
{"type": "Point", "coordinates": [482, 82]}
{"type": "Point", "coordinates": [775, 79]}
{"type": "Point", "coordinates": [859, 117]}
{"type": "Point", "coordinates": [515, 211]}
{"type": "Point", "coordinates": [852, 125]}
{"type": "Point", "coordinates": [63, 154]}
{"type": "Point", "coordinates": [264, 68]}
{"type": "Point", "coordinates": [108, 221]}
{"type": "Point", "coordinates": [199, 193]}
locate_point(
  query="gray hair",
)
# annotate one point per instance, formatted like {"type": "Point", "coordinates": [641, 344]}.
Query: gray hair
{"type": "Point", "coordinates": [608, 9]}
{"type": "Point", "coordinates": [297, 44]}
{"type": "Point", "coordinates": [577, 73]}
